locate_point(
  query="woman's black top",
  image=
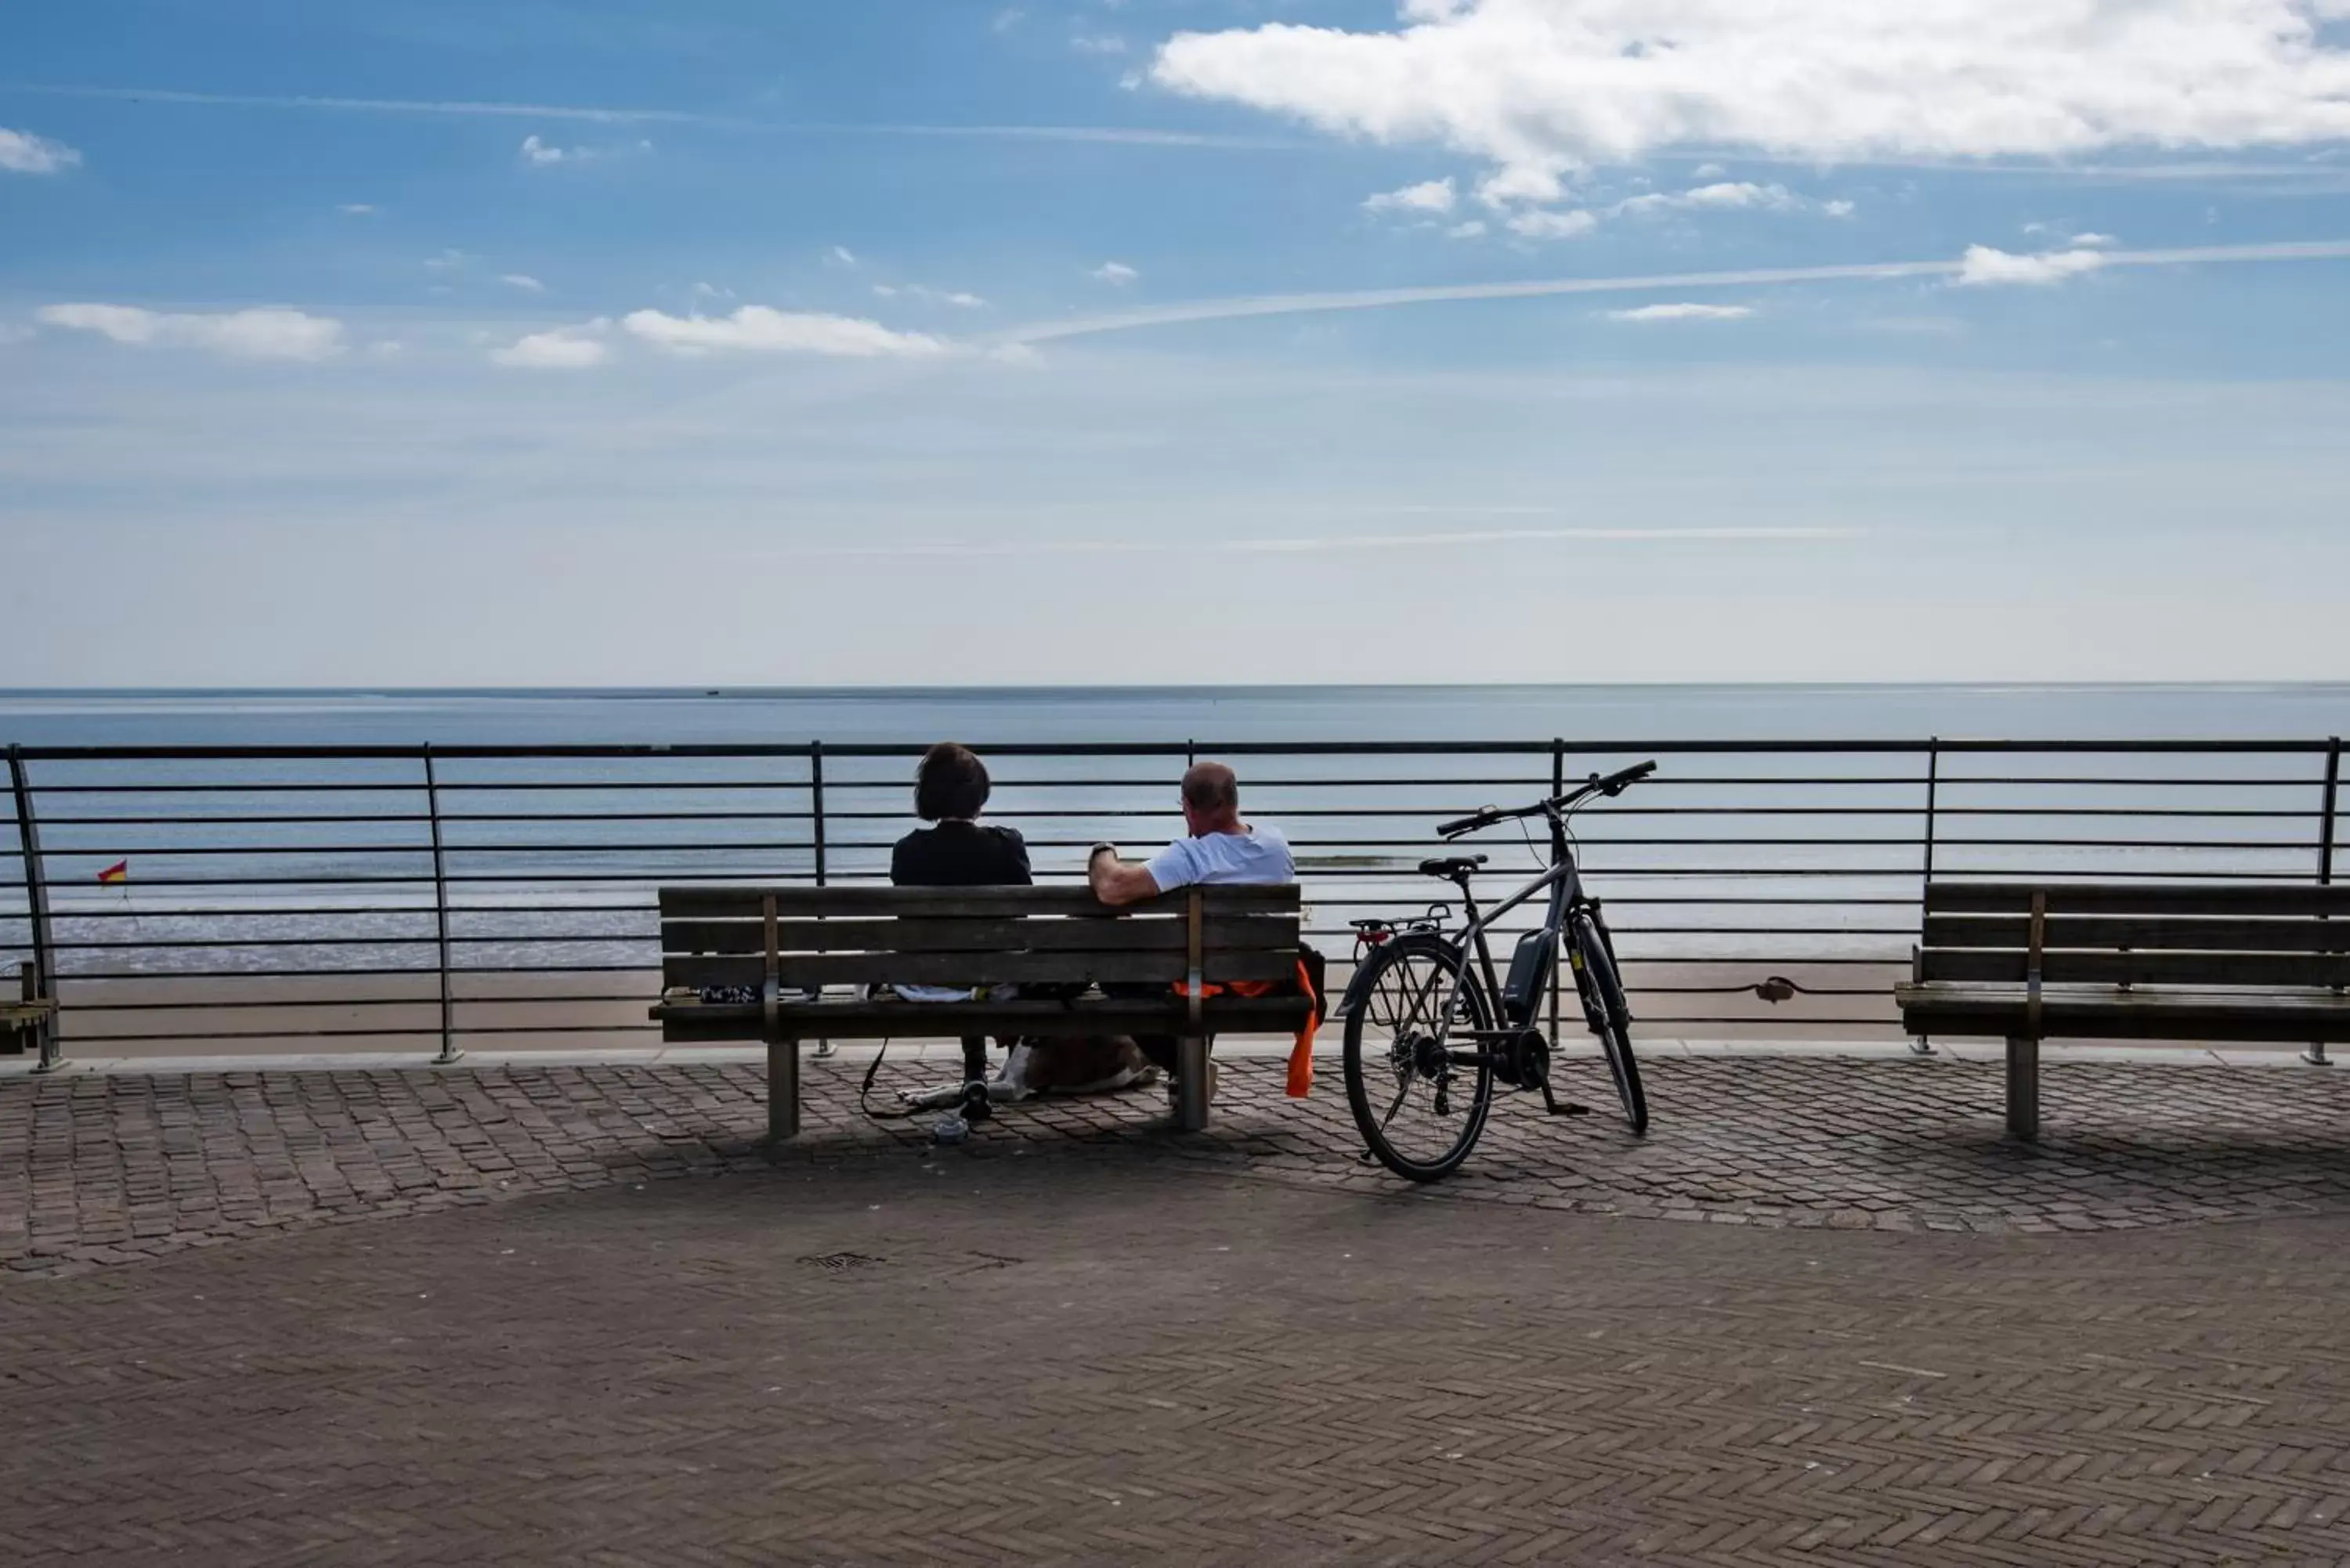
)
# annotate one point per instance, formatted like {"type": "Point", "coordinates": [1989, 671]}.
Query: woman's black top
{"type": "Point", "coordinates": [960, 855]}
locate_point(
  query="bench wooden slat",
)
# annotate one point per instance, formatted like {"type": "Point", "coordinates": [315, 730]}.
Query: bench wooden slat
{"type": "Point", "coordinates": [2219, 899]}
{"type": "Point", "coordinates": [798, 970]}
{"type": "Point", "coordinates": [1073, 935]}
{"type": "Point", "coordinates": [736, 903]}
{"type": "Point", "coordinates": [699, 1024]}
{"type": "Point", "coordinates": [2095, 932]}
{"type": "Point", "coordinates": [2102, 1012]}
{"type": "Point", "coordinates": [2271, 969]}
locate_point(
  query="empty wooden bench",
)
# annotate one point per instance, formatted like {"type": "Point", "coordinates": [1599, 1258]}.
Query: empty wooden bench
{"type": "Point", "coordinates": [2214, 962]}
{"type": "Point", "coordinates": [841, 943]}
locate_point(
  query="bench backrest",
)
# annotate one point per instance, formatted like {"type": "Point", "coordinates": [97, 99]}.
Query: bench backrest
{"type": "Point", "coordinates": [2264, 935]}
{"type": "Point", "coordinates": [814, 937]}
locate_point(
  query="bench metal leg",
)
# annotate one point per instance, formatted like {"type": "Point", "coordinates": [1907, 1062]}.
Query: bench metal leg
{"type": "Point", "coordinates": [2023, 1090]}
{"type": "Point", "coordinates": [1190, 1084]}
{"type": "Point", "coordinates": [783, 1090]}
{"type": "Point", "coordinates": [2316, 1055]}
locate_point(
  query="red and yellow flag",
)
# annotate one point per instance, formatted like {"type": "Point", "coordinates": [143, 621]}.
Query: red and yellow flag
{"type": "Point", "coordinates": [118, 872]}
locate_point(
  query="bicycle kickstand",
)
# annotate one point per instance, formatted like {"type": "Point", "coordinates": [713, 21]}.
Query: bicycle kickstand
{"type": "Point", "coordinates": [1559, 1108]}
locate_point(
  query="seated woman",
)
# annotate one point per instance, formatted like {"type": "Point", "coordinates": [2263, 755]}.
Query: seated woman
{"type": "Point", "coordinates": [956, 850]}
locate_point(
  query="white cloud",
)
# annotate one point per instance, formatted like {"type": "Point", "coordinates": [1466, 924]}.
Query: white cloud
{"type": "Point", "coordinates": [577, 347]}
{"type": "Point", "coordinates": [1682, 313]}
{"type": "Point", "coordinates": [1467, 231]}
{"type": "Point", "coordinates": [1728, 195]}
{"type": "Point", "coordinates": [264, 334]}
{"type": "Point", "coordinates": [844, 256]}
{"type": "Point", "coordinates": [1428, 196]}
{"type": "Point", "coordinates": [2093, 242]}
{"type": "Point", "coordinates": [756, 328]}
{"type": "Point", "coordinates": [1539, 224]}
{"type": "Point", "coordinates": [539, 154]}
{"type": "Point", "coordinates": [1097, 43]}
{"type": "Point", "coordinates": [929, 295]}
{"type": "Point", "coordinates": [1985, 267]}
{"type": "Point", "coordinates": [356, 208]}
{"type": "Point", "coordinates": [22, 152]}
{"type": "Point", "coordinates": [447, 261]}
{"type": "Point", "coordinates": [523, 281]}
{"type": "Point", "coordinates": [1838, 208]}
{"type": "Point", "coordinates": [1114, 272]}
{"type": "Point", "coordinates": [1543, 87]}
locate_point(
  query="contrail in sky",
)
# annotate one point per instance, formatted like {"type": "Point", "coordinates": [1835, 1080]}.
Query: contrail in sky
{"type": "Point", "coordinates": [1752, 278]}
{"type": "Point", "coordinates": [1309, 546]}
{"type": "Point", "coordinates": [496, 109]}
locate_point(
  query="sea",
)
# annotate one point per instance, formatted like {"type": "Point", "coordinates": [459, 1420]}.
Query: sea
{"type": "Point", "coordinates": [1811, 846]}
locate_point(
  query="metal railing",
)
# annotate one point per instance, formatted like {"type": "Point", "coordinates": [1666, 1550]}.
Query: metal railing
{"type": "Point", "coordinates": [429, 896]}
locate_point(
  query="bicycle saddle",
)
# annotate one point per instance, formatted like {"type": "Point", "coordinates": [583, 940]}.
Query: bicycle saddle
{"type": "Point", "coordinates": [1451, 869]}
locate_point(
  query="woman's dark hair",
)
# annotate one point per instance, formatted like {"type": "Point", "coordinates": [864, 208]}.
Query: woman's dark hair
{"type": "Point", "coordinates": [952, 782]}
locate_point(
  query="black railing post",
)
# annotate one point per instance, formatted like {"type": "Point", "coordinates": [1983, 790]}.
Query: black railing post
{"type": "Point", "coordinates": [36, 912]}
{"type": "Point", "coordinates": [2316, 1055]}
{"type": "Point", "coordinates": [1923, 1045]}
{"type": "Point", "coordinates": [449, 1051]}
{"type": "Point", "coordinates": [1558, 788]}
{"type": "Point", "coordinates": [816, 815]}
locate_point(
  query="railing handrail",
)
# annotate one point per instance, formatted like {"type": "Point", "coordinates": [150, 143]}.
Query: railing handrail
{"type": "Point", "coordinates": [890, 748]}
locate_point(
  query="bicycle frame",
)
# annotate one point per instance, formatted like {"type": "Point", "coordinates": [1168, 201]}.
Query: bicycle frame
{"type": "Point", "coordinates": [1563, 881]}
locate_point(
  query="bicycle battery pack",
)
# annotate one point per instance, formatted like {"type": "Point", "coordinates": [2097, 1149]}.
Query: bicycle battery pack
{"type": "Point", "coordinates": [1530, 972]}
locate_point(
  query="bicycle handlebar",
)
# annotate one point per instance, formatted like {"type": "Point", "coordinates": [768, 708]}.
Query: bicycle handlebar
{"type": "Point", "coordinates": [1615, 783]}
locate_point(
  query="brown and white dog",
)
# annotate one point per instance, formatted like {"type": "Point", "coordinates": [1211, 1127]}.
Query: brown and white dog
{"type": "Point", "coordinates": [1090, 1065]}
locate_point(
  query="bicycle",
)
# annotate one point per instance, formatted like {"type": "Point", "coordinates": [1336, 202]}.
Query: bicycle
{"type": "Point", "coordinates": [1453, 1029]}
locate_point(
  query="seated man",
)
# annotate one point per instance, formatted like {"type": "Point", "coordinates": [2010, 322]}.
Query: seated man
{"type": "Point", "coordinates": [1221, 850]}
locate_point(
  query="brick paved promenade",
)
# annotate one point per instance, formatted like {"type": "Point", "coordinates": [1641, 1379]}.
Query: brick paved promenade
{"type": "Point", "coordinates": [485, 1316]}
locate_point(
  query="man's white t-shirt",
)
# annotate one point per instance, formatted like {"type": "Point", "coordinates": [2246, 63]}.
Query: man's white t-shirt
{"type": "Point", "coordinates": [1224, 859]}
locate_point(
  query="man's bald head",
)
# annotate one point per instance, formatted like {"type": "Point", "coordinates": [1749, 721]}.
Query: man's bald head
{"type": "Point", "coordinates": [1211, 794]}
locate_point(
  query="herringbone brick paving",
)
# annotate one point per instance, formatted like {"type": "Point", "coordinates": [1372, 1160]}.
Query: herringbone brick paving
{"type": "Point", "coordinates": [103, 1170]}
{"type": "Point", "coordinates": [927, 1361]}
{"type": "Point", "coordinates": [1080, 1340]}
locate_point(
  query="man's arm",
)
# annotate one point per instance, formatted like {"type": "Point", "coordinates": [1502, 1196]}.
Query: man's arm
{"type": "Point", "coordinates": [1117, 882]}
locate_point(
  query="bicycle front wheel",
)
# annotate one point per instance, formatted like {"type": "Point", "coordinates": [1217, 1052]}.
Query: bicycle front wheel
{"type": "Point", "coordinates": [1419, 1081]}
{"type": "Point", "coordinates": [1610, 1017]}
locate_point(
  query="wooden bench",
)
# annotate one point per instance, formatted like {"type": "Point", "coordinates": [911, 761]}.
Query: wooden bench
{"type": "Point", "coordinates": [2216, 962]}
{"type": "Point", "coordinates": [782, 943]}
{"type": "Point", "coordinates": [33, 1018]}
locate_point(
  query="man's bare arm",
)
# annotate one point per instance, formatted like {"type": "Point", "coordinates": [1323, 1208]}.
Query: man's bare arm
{"type": "Point", "coordinates": [1117, 882]}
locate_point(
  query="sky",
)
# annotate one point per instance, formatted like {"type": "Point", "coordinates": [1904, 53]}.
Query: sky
{"type": "Point", "coordinates": [703, 342]}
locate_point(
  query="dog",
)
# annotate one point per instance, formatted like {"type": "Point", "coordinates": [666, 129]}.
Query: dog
{"type": "Point", "coordinates": [1088, 1065]}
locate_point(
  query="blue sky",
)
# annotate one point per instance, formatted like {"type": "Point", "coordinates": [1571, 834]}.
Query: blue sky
{"type": "Point", "coordinates": [1174, 340]}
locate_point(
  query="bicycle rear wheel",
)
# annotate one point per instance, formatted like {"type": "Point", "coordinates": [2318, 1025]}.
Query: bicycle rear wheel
{"type": "Point", "coordinates": [1417, 1106]}
{"type": "Point", "coordinates": [1610, 1017]}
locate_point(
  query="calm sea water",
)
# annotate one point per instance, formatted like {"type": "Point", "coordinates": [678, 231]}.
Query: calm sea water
{"type": "Point", "coordinates": [1210, 714]}
{"type": "Point", "coordinates": [1723, 853]}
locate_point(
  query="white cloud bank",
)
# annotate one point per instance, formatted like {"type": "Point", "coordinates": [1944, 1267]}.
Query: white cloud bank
{"type": "Point", "coordinates": [22, 152]}
{"type": "Point", "coordinates": [266, 334]}
{"type": "Point", "coordinates": [758, 329]}
{"type": "Point", "coordinates": [1115, 273]}
{"type": "Point", "coordinates": [577, 347]}
{"type": "Point", "coordinates": [1540, 88]}
{"type": "Point", "coordinates": [1682, 313]}
{"type": "Point", "coordinates": [1985, 266]}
